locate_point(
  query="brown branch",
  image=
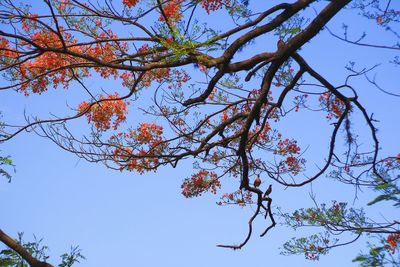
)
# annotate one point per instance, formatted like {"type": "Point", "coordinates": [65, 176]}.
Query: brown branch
{"type": "Point", "coordinates": [397, 47]}
{"type": "Point", "coordinates": [248, 233]}
{"type": "Point", "coordinates": [271, 215]}
{"type": "Point", "coordinates": [18, 248]}
{"type": "Point", "coordinates": [80, 114]}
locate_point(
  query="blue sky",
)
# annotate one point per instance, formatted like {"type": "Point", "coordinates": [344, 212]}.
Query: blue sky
{"type": "Point", "coordinates": [127, 219]}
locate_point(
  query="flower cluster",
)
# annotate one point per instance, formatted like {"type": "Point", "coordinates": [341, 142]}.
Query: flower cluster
{"type": "Point", "coordinates": [285, 147]}
{"type": "Point", "coordinates": [313, 252]}
{"type": "Point", "coordinates": [63, 4]}
{"type": "Point", "coordinates": [292, 162]}
{"type": "Point", "coordinates": [107, 52]}
{"type": "Point", "coordinates": [264, 135]}
{"type": "Point", "coordinates": [49, 67]}
{"type": "Point", "coordinates": [108, 108]}
{"type": "Point", "coordinates": [178, 78]}
{"type": "Point", "coordinates": [332, 104]}
{"type": "Point", "coordinates": [392, 162]}
{"type": "Point", "coordinates": [300, 101]}
{"type": "Point", "coordinates": [212, 5]}
{"type": "Point", "coordinates": [6, 52]}
{"type": "Point", "coordinates": [311, 247]}
{"type": "Point", "coordinates": [293, 165]}
{"type": "Point", "coordinates": [238, 197]}
{"type": "Point", "coordinates": [127, 79]}
{"type": "Point", "coordinates": [148, 133]}
{"type": "Point", "coordinates": [130, 3]}
{"type": "Point", "coordinates": [30, 22]}
{"type": "Point", "coordinates": [172, 8]}
{"type": "Point", "coordinates": [199, 183]}
{"type": "Point", "coordinates": [157, 75]}
{"type": "Point", "coordinates": [53, 66]}
{"type": "Point", "coordinates": [145, 143]}
{"type": "Point", "coordinates": [172, 11]}
{"type": "Point", "coordinates": [141, 161]}
{"type": "Point", "coordinates": [393, 240]}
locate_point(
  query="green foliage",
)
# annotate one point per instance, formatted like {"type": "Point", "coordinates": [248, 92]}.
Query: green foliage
{"type": "Point", "coordinates": [9, 258]}
{"type": "Point", "coordinates": [337, 214]}
{"type": "Point", "coordinates": [388, 192]}
{"type": "Point", "coordinates": [291, 27]}
{"type": "Point", "coordinates": [312, 247]}
{"type": "Point", "coordinates": [379, 254]}
{"type": "Point", "coordinates": [336, 219]}
{"type": "Point", "coordinates": [68, 259]}
{"type": "Point", "coordinates": [5, 161]}
{"type": "Point", "coordinates": [384, 251]}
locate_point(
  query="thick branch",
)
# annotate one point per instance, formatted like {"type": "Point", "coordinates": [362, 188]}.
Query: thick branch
{"type": "Point", "coordinates": [18, 248]}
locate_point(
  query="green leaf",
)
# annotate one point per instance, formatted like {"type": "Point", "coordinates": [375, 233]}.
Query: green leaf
{"type": "Point", "coordinates": [359, 258]}
{"type": "Point", "coordinates": [383, 186]}
{"type": "Point", "coordinates": [380, 198]}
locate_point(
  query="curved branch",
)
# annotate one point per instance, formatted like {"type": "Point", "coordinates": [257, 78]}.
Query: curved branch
{"type": "Point", "coordinates": [18, 248]}
{"type": "Point", "coordinates": [248, 233]}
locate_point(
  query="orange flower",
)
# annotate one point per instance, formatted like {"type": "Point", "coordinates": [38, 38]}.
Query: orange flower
{"type": "Point", "coordinates": [212, 5]}
{"type": "Point", "coordinates": [393, 240]}
{"type": "Point", "coordinates": [172, 11]}
{"type": "Point", "coordinates": [130, 3]}
{"type": "Point", "coordinates": [103, 113]}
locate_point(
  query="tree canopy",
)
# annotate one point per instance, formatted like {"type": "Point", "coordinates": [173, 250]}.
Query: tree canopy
{"type": "Point", "coordinates": [215, 83]}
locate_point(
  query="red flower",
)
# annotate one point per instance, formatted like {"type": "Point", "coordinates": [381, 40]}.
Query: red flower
{"type": "Point", "coordinates": [393, 240]}
{"type": "Point", "coordinates": [199, 183]}
{"type": "Point", "coordinates": [172, 11]}
{"type": "Point", "coordinates": [103, 113]}
{"type": "Point", "coordinates": [130, 3]}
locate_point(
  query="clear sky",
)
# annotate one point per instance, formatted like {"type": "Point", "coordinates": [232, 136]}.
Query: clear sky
{"type": "Point", "coordinates": [127, 219]}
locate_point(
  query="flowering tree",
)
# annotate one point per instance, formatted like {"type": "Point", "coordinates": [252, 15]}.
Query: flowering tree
{"type": "Point", "coordinates": [204, 94]}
